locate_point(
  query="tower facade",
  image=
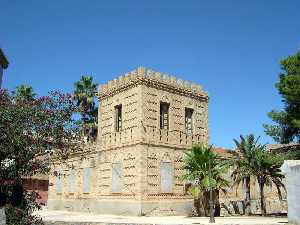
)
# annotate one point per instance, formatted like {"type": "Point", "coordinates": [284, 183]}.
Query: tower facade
{"type": "Point", "coordinates": [147, 120]}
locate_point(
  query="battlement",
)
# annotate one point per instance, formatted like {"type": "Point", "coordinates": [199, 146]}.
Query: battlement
{"type": "Point", "coordinates": [142, 74]}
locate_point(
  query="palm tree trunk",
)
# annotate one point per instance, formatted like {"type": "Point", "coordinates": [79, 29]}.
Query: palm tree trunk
{"type": "Point", "coordinates": [262, 198]}
{"type": "Point", "coordinates": [247, 196]}
{"type": "Point", "coordinates": [197, 206]}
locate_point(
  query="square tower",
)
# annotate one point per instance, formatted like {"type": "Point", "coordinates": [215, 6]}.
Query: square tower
{"type": "Point", "coordinates": [147, 120]}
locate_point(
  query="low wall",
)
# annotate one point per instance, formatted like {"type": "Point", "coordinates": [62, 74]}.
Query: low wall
{"type": "Point", "coordinates": [292, 170]}
{"type": "Point", "coordinates": [273, 206]}
{"type": "Point", "coordinates": [124, 207]}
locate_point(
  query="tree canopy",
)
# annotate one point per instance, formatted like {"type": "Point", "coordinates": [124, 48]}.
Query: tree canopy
{"type": "Point", "coordinates": [287, 121]}
{"type": "Point", "coordinates": [252, 160]}
{"type": "Point", "coordinates": [31, 132]}
{"type": "Point", "coordinates": [266, 169]}
{"type": "Point", "coordinates": [84, 93]}
{"type": "Point", "coordinates": [23, 93]}
{"type": "Point", "coordinates": [205, 170]}
{"type": "Point", "coordinates": [242, 161]}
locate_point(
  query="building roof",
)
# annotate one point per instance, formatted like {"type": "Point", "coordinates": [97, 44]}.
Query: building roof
{"type": "Point", "coordinates": [222, 152]}
{"type": "Point", "coordinates": [283, 147]}
{"type": "Point", "coordinates": [3, 60]}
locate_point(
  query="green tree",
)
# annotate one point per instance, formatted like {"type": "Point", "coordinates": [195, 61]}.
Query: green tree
{"type": "Point", "coordinates": [251, 160]}
{"type": "Point", "coordinates": [287, 121]}
{"type": "Point", "coordinates": [242, 164]}
{"type": "Point", "coordinates": [197, 166]}
{"type": "Point", "coordinates": [266, 168]}
{"type": "Point", "coordinates": [84, 94]}
{"type": "Point", "coordinates": [24, 93]}
{"type": "Point", "coordinates": [31, 133]}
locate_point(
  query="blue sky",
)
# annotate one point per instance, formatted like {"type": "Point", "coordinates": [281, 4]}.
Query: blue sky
{"type": "Point", "coordinates": [232, 48]}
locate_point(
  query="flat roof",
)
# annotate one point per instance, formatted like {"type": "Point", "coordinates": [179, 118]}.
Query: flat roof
{"type": "Point", "coordinates": [3, 60]}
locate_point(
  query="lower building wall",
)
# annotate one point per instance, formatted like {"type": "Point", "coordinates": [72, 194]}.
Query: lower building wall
{"type": "Point", "coordinates": [158, 208]}
{"type": "Point", "coordinates": [124, 207]}
{"type": "Point", "coordinates": [140, 180]}
{"type": "Point", "coordinates": [231, 207]}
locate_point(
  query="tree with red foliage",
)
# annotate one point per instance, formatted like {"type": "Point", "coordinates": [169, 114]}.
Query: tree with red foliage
{"type": "Point", "coordinates": [32, 131]}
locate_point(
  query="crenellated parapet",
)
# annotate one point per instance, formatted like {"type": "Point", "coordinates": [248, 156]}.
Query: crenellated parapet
{"type": "Point", "coordinates": [150, 78]}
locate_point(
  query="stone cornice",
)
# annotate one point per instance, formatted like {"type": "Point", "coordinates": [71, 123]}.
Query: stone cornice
{"type": "Point", "coordinates": [147, 143]}
{"type": "Point", "coordinates": [149, 78]}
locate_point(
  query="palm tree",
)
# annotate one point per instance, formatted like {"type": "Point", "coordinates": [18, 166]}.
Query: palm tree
{"type": "Point", "coordinates": [23, 93]}
{"type": "Point", "coordinates": [197, 162]}
{"type": "Point", "coordinates": [84, 94]}
{"type": "Point", "coordinates": [242, 162]}
{"type": "Point", "coordinates": [252, 160]}
{"type": "Point", "coordinates": [266, 168]}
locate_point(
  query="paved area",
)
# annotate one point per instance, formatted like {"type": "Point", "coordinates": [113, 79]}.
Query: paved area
{"type": "Point", "coordinates": [64, 217]}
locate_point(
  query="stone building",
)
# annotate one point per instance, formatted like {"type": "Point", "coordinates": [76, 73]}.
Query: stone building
{"type": "Point", "coordinates": [3, 65]}
{"type": "Point", "coordinates": [146, 122]}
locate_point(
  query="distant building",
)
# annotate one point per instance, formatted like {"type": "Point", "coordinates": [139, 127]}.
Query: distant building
{"type": "Point", "coordinates": [39, 184]}
{"type": "Point", "coordinates": [283, 148]}
{"type": "Point", "coordinates": [3, 65]}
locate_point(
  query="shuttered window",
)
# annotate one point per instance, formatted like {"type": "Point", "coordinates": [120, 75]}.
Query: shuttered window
{"type": "Point", "coordinates": [87, 175]}
{"type": "Point", "coordinates": [166, 177]}
{"type": "Point", "coordinates": [116, 177]}
{"type": "Point", "coordinates": [72, 181]}
{"type": "Point", "coordinates": [59, 183]}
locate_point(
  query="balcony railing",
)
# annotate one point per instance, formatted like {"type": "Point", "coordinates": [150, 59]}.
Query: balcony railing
{"type": "Point", "coordinates": [152, 136]}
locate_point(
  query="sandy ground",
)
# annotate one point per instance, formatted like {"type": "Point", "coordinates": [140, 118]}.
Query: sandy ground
{"type": "Point", "coordinates": [77, 217]}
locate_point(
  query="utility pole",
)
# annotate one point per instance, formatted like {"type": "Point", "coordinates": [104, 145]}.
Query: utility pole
{"type": "Point", "coordinates": [211, 203]}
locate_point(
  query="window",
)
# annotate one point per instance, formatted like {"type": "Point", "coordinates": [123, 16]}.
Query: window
{"type": "Point", "coordinates": [188, 120]}
{"type": "Point", "coordinates": [118, 114]}
{"type": "Point", "coordinates": [116, 177]}
{"type": "Point", "coordinates": [59, 183]}
{"type": "Point", "coordinates": [164, 116]}
{"type": "Point", "coordinates": [72, 181]}
{"type": "Point", "coordinates": [166, 177]}
{"type": "Point", "coordinates": [87, 180]}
